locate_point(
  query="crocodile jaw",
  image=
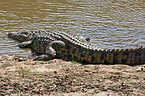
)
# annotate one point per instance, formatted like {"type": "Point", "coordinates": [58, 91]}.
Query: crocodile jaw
{"type": "Point", "coordinates": [18, 36]}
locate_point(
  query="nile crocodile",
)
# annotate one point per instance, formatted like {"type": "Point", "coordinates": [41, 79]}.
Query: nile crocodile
{"type": "Point", "coordinates": [50, 44]}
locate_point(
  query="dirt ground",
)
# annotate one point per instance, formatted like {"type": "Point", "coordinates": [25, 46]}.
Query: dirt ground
{"type": "Point", "coordinates": [69, 78]}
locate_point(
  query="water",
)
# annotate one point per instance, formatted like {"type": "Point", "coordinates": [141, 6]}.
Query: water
{"type": "Point", "coordinates": [109, 23]}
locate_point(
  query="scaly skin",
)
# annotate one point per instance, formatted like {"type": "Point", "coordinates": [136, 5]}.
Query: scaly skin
{"type": "Point", "coordinates": [59, 44]}
{"type": "Point", "coordinates": [27, 36]}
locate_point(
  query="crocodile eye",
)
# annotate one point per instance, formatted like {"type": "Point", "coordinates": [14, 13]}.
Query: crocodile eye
{"type": "Point", "coordinates": [26, 33]}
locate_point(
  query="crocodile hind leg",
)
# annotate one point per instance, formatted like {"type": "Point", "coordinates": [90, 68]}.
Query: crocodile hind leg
{"type": "Point", "coordinates": [50, 51]}
{"type": "Point", "coordinates": [87, 40]}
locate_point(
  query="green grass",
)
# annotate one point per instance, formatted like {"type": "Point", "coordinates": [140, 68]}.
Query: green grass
{"type": "Point", "coordinates": [74, 62]}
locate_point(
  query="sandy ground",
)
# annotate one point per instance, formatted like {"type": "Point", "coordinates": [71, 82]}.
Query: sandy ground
{"type": "Point", "coordinates": [69, 78]}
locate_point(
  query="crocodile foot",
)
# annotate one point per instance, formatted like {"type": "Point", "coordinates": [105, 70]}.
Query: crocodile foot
{"type": "Point", "coordinates": [20, 58]}
{"type": "Point", "coordinates": [42, 57]}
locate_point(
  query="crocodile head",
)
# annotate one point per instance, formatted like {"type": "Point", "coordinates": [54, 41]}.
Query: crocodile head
{"type": "Point", "coordinates": [21, 36]}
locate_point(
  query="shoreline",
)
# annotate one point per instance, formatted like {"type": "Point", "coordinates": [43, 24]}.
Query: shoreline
{"type": "Point", "coordinates": [58, 77]}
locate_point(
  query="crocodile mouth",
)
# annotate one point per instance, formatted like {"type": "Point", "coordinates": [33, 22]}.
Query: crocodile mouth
{"type": "Point", "coordinates": [17, 36]}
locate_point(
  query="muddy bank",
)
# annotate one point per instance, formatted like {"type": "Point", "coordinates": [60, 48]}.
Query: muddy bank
{"type": "Point", "coordinates": [58, 77]}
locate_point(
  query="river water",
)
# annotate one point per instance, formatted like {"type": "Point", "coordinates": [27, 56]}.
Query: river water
{"type": "Point", "coordinates": [109, 23]}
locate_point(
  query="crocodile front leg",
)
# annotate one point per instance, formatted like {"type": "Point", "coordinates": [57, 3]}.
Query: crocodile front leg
{"type": "Point", "coordinates": [25, 44]}
{"type": "Point", "coordinates": [50, 51]}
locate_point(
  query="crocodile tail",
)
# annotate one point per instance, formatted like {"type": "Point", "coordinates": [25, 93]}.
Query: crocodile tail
{"type": "Point", "coordinates": [118, 56]}
{"type": "Point", "coordinates": [129, 56]}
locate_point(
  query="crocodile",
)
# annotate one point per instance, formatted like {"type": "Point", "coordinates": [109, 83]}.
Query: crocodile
{"type": "Point", "coordinates": [50, 44]}
{"type": "Point", "coordinates": [27, 36]}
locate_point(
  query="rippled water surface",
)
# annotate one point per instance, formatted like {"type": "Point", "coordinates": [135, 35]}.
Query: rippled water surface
{"type": "Point", "coordinates": [109, 23]}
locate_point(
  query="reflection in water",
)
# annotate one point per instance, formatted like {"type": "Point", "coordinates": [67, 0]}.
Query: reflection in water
{"type": "Point", "coordinates": [109, 24]}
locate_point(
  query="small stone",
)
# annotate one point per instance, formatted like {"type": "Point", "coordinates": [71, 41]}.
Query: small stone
{"type": "Point", "coordinates": [55, 72]}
